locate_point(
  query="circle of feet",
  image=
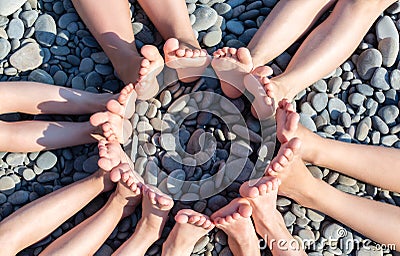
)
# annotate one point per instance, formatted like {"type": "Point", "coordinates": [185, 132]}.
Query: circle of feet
{"type": "Point", "coordinates": [25, 177]}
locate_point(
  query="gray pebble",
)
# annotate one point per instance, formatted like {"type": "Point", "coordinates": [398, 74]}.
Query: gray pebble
{"type": "Point", "coordinates": [363, 128]}
{"type": "Point", "coordinates": [380, 79]}
{"type": "Point", "coordinates": [19, 197]}
{"type": "Point", "coordinates": [7, 184]}
{"type": "Point", "coordinates": [356, 99]}
{"type": "Point", "coordinates": [15, 159]}
{"type": "Point", "coordinates": [217, 202]}
{"type": "Point", "coordinates": [394, 79]}
{"type": "Point", "coordinates": [367, 62]}
{"type": "Point", "coordinates": [5, 48]}
{"type": "Point", "coordinates": [40, 76]}
{"type": "Point", "coordinates": [45, 30]}
{"type": "Point", "coordinates": [380, 125]}
{"type": "Point", "coordinates": [87, 65]}
{"type": "Point", "coordinates": [389, 48]}
{"type": "Point", "coordinates": [389, 114]}
{"type": "Point", "coordinates": [46, 161]}
{"type": "Point", "coordinates": [307, 121]}
{"type": "Point", "coordinates": [289, 219]}
{"type": "Point", "coordinates": [60, 50]}
{"type": "Point", "coordinates": [28, 174]}
{"type": "Point", "coordinates": [320, 101]}
{"type": "Point", "coordinates": [365, 89]}
{"type": "Point", "coordinates": [175, 181]}
{"type": "Point", "coordinates": [205, 18]}
{"type": "Point", "coordinates": [29, 18]}
{"type": "Point", "coordinates": [385, 27]}
{"type": "Point", "coordinates": [67, 19]}
{"type": "Point", "coordinates": [62, 37]}
{"type": "Point", "coordinates": [15, 29]}
{"type": "Point", "coordinates": [212, 38]}
{"type": "Point", "coordinates": [47, 177]}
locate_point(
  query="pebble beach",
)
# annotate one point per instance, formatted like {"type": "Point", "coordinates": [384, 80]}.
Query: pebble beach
{"type": "Point", "coordinates": [46, 41]}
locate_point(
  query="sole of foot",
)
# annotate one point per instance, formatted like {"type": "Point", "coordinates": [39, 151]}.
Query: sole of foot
{"type": "Point", "coordinates": [189, 228]}
{"type": "Point", "coordinates": [234, 219]}
{"type": "Point", "coordinates": [189, 63]}
{"type": "Point", "coordinates": [263, 107]}
{"type": "Point", "coordinates": [125, 104]}
{"type": "Point", "coordinates": [151, 65]}
{"type": "Point", "coordinates": [231, 66]}
{"type": "Point", "coordinates": [111, 155]}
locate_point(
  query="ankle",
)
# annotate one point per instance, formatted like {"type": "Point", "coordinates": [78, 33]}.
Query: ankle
{"type": "Point", "coordinates": [285, 89]}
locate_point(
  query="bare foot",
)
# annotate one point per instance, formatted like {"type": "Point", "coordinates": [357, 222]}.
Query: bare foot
{"type": "Point", "coordinates": [234, 219]}
{"type": "Point", "coordinates": [287, 121]}
{"type": "Point", "coordinates": [112, 122]}
{"type": "Point", "coordinates": [262, 195]}
{"type": "Point", "coordinates": [189, 228]}
{"type": "Point", "coordinates": [128, 195]}
{"type": "Point", "coordinates": [231, 65]}
{"type": "Point", "coordinates": [111, 155]}
{"type": "Point", "coordinates": [188, 63]}
{"type": "Point", "coordinates": [125, 104]}
{"type": "Point", "coordinates": [143, 76]}
{"type": "Point", "coordinates": [263, 107]}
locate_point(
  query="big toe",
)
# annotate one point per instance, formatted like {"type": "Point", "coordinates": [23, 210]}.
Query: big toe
{"type": "Point", "coordinates": [295, 145]}
{"type": "Point", "coordinates": [244, 56]}
{"type": "Point", "coordinates": [115, 107]}
{"type": "Point", "coordinates": [245, 210]}
{"type": "Point", "coordinates": [170, 46]}
{"type": "Point", "coordinates": [151, 53]}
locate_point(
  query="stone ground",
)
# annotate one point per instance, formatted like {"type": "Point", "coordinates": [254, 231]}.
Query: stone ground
{"type": "Point", "coordinates": [46, 41]}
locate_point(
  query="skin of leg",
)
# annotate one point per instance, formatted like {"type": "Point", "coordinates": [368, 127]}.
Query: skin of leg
{"type": "Point", "coordinates": [268, 221]}
{"type": "Point", "coordinates": [288, 15]}
{"type": "Point", "coordinates": [190, 226]}
{"type": "Point", "coordinates": [41, 217]}
{"type": "Point", "coordinates": [98, 226]}
{"type": "Point", "coordinates": [32, 136]}
{"type": "Point", "coordinates": [155, 209]}
{"type": "Point", "coordinates": [38, 98]}
{"type": "Point", "coordinates": [171, 19]}
{"type": "Point", "coordinates": [376, 220]}
{"type": "Point", "coordinates": [329, 44]}
{"type": "Point", "coordinates": [376, 165]}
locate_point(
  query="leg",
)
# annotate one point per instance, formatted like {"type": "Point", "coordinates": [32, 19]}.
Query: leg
{"type": "Point", "coordinates": [375, 165]}
{"type": "Point", "coordinates": [268, 221]}
{"type": "Point", "coordinates": [376, 220]}
{"type": "Point", "coordinates": [189, 228]}
{"type": "Point", "coordinates": [234, 219]}
{"type": "Point", "coordinates": [111, 26]}
{"type": "Point", "coordinates": [100, 225]}
{"type": "Point", "coordinates": [41, 217]}
{"type": "Point", "coordinates": [288, 15]}
{"type": "Point", "coordinates": [327, 46]}
{"type": "Point", "coordinates": [37, 98]}
{"type": "Point", "coordinates": [155, 209]}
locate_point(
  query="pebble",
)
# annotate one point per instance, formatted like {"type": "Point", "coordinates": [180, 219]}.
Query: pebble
{"type": "Point", "coordinates": [356, 99]}
{"type": "Point", "coordinates": [5, 48]}
{"type": "Point", "coordinates": [363, 128]}
{"type": "Point", "coordinates": [216, 202]}
{"type": "Point", "coordinates": [66, 19]}
{"type": "Point", "coordinates": [380, 79]}
{"type": "Point", "coordinates": [205, 18]}
{"type": "Point", "coordinates": [212, 38]}
{"type": "Point", "coordinates": [28, 174]}
{"type": "Point", "coordinates": [47, 177]}
{"type": "Point", "coordinates": [45, 30]}
{"type": "Point", "coordinates": [19, 197]}
{"type": "Point", "coordinates": [87, 65]}
{"type": "Point", "coordinates": [46, 160]}
{"type": "Point", "coordinates": [385, 28]}
{"type": "Point", "coordinates": [40, 76]}
{"type": "Point", "coordinates": [8, 7]}
{"type": "Point", "coordinates": [15, 159]}
{"type": "Point", "coordinates": [28, 57]}
{"type": "Point", "coordinates": [7, 184]}
{"type": "Point", "coordinates": [320, 101]}
{"type": "Point", "coordinates": [389, 114]}
{"type": "Point", "coordinates": [395, 79]}
{"type": "Point", "coordinates": [15, 29]}
{"type": "Point", "coordinates": [289, 219]}
{"type": "Point", "coordinates": [367, 62]}
{"type": "Point", "coordinates": [389, 49]}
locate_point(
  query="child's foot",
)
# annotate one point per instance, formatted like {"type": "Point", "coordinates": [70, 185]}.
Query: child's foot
{"type": "Point", "coordinates": [262, 195]}
{"type": "Point", "coordinates": [111, 155]}
{"type": "Point", "coordinates": [142, 71]}
{"type": "Point", "coordinates": [231, 65]}
{"type": "Point", "coordinates": [112, 122]}
{"type": "Point", "coordinates": [234, 219]}
{"type": "Point", "coordinates": [128, 195]}
{"type": "Point", "coordinates": [189, 228]}
{"type": "Point", "coordinates": [125, 104]}
{"type": "Point", "coordinates": [188, 63]}
{"type": "Point", "coordinates": [263, 107]}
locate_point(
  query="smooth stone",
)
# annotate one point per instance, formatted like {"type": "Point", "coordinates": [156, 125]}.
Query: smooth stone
{"type": "Point", "coordinates": [18, 197]}
{"type": "Point", "coordinates": [212, 38]}
{"type": "Point", "coordinates": [356, 99]}
{"type": "Point", "coordinates": [289, 219]}
{"type": "Point", "coordinates": [87, 65]}
{"type": "Point", "coordinates": [389, 114]}
{"type": "Point", "coordinates": [90, 164]}
{"type": "Point", "coordinates": [7, 184]}
{"type": "Point", "coordinates": [385, 27]}
{"type": "Point", "coordinates": [28, 174]}
{"type": "Point", "coordinates": [241, 149]}
{"type": "Point", "coordinates": [8, 7]}
{"type": "Point", "coordinates": [205, 18]}
{"type": "Point", "coordinates": [217, 202]}
{"type": "Point", "coordinates": [320, 101]}
{"type": "Point", "coordinates": [28, 57]}
{"type": "Point", "coordinates": [336, 107]}
{"type": "Point", "coordinates": [5, 48]}
{"type": "Point", "coordinates": [363, 128]}
{"type": "Point", "coordinates": [45, 30]}
{"type": "Point", "coordinates": [367, 62]}
{"type": "Point", "coordinates": [247, 35]}
{"type": "Point", "coordinates": [151, 173]}
{"type": "Point", "coordinates": [380, 125]}
{"type": "Point", "coordinates": [67, 19]}
{"type": "Point", "coordinates": [207, 189]}
{"type": "Point", "coordinates": [169, 163]}
{"type": "Point", "coordinates": [365, 89]}
{"type": "Point", "coordinates": [165, 98]}
{"type": "Point", "coordinates": [60, 78]}
{"type": "Point", "coordinates": [60, 50]}
{"type": "Point", "coordinates": [333, 231]}
{"type": "Point", "coordinates": [15, 159]}
{"type": "Point", "coordinates": [175, 181]}
{"type": "Point", "coordinates": [47, 177]}
{"type": "Point", "coordinates": [3, 198]}
{"type": "Point", "coordinates": [307, 121]}
{"type": "Point", "coordinates": [193, 145]}
{"type": "Point", "coordinates": [380, 79]}
{"type": "Point", "coordinates": [168, 141]}
{"type": "Point", "coordinates": [201, 244]}
{"type": "Point", "coordinates": [307, 235]}
{"type": "Point", "coordinates": [389, 140]}
{"type": "Point", "coordinates": [320, 86]}
{"type": "Point", "coordinates": [15, 29]}
{"type": "Point", "coordinates": [236, 27]}
{"type": "Point", "coordinates": [46, 160]}
{"type": "Point", "coordinates": [389, 49]}
{"type": "Point", "coordinates": [40, 76]}
{"type": "Point", "coordinates": [394, 79]}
